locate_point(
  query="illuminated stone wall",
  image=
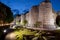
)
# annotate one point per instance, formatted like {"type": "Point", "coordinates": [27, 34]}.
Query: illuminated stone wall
{"type": "Point", "coordinates": [33, 16]}
{"type": "Point", "coordinates": [22, 18]}
{"type": "Point", "coordinates": [27, 18]}
{"type": "Point", "coordinates": [46, 15]}
{"type": "Point", "coordinates": [42, 13]}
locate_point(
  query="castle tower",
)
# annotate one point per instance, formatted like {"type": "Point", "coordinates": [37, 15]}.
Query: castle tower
{"type": "Point", "coordinates": [33, 16]}
{"type": "Point", "coordinates": [46, 15]}
{"type": "Point", "coordinates": [22, 18]}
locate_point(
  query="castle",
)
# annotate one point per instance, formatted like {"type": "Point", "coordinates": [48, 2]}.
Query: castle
{"type": "Point", "coordinates": [43, 13]}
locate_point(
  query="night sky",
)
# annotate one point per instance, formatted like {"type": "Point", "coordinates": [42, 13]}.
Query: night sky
{"type": "Point", "coordinates": [20, 5]}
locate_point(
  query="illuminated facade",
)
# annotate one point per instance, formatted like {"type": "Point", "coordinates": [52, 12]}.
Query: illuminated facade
{"type": "Point", "coordinates": [46, 15]}
{"type": "Point", "coordinates": [33, 16]}
{"type": "Point", "coordinates": [42, 13]}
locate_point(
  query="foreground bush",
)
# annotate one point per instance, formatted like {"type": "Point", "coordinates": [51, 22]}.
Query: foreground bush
{"type": "Point", "coordinates": [24, 34]}
{"type": "Point", "coordinates": [20, 33]}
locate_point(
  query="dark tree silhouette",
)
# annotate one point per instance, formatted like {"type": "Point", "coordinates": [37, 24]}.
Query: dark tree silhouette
{"type": "Point", "coordinates": [6, 14]}
{"type": "Point", "coordinates": [58, 18]}
{"type": "Point", "coordinates": [16, 11]}
{"type": "Point", "coordinates": [26, 11]}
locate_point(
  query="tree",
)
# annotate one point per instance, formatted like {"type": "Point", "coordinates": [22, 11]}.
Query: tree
{"type": "Point", "coordinates": [2, 14]}
{"type": "Point", "coordinates": [58, 18]}
{"type": "Point", "coordinates": [6, 13]}
{"type": "Point", "coordinates": [9, 18]}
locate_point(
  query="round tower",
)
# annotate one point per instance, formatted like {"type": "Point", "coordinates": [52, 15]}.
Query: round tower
{"type": "Point", "coordinates": [46, 15]}
{"type": "Point", "coordinates": [33, 16]}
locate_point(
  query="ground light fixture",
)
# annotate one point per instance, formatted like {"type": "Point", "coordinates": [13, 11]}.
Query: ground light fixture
{"type": "Point", "coordinates": [5, 31]}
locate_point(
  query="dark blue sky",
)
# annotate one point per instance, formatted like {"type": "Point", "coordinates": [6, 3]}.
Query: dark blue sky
{"type": "Point", "coordinates": [22, 5]}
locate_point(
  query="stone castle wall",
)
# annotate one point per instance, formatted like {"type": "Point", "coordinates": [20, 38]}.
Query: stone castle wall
{"type": "Point", "coordinates": [46, 15]}
{"type": "Point", "coordinates": [42, 13]}
{"type": "Point", "coordinates": [33, 15]}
